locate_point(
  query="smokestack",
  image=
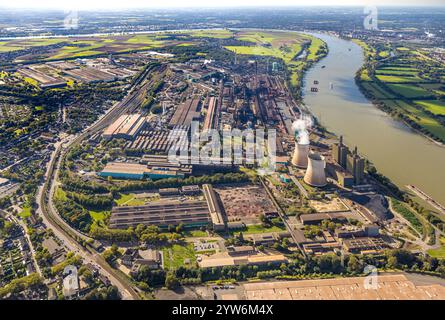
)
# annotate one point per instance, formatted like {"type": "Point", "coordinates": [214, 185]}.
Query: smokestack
{"type": "Point", "coordinates": [300, 156]}
{"type": "Point", "coordinates": [315, 173]}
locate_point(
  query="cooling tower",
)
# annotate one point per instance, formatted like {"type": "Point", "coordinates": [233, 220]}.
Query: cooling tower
{"type": "Point", "coordinates": [301, 152]}
{"type": "Point", "coordinates": [315, 175]}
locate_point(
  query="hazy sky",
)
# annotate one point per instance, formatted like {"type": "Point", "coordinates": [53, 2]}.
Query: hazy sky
{"type": "Point", "coordinates": [115, 4]}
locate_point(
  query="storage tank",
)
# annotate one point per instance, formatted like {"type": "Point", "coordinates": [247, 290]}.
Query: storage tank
{"type": "Point", "coordinates": [315, 173]}
{"type": "Point", "coordinates": [301, 153]}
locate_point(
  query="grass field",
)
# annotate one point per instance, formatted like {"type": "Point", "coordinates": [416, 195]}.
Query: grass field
{"type": "Point", "coordinates": [398, 79]}
{"type": "Point", "coordinates": [59, 194]}
{"type": "Point", "coordinates": [258, 228]}
{"type": "Point", "coordinates": [175, 255]}
{"type": "Point", "coordinates": [434, 106]}
{"type": "Point", "coordinates": [409, 90]}
{"type": "Point", "coordinates": [283, 45]}
{"type": "Point", "coordinates": [397, 72]}
{"type": "Point", "coordinates": [99, 216]}
{"type": "Point", "coordinates": [25, 213]}
{"type": "Point", "coordinates": [88, 46]}
{"type": "Point", "coordinates": [408, 214]}
{"type": "Point", "coordinates": [129, 199]}
{"type": "Point", "coordinates": [219, 34]}
{"type": "Point", "coordinates": [418, 116]}
{"type": "Point", "coordinates": [377, 91]}
{"type": "Point", "coordinates": [438, 253]}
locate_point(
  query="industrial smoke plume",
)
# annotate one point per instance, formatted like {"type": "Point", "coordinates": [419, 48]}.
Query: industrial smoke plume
{"type": "Point", "coordinates": [301, 128]}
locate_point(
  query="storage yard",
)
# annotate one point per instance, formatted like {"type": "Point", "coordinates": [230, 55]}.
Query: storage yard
{"type": "Point", "coordinates": [245, 202]}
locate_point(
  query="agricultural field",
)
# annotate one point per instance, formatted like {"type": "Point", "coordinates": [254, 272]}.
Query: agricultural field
{"type": "Point", "coordinates": [84, 46]}
{"type": "Point", "coordinates": [434, 106]}
{"type": "Point", "coordinates": [283, 45]}
{"type": "Point", "coordinates": [218, 34]}
{"type": "Point", "coordinates": [398, 79]}
{"type": "Point", "coordinates": [293, 48]}
{"type": "Point", "coordinates": [409, 91]}
{"type": "Point", "coordinates": [410, 83]}
{"type": "Point", "coordinates": [377, 91]}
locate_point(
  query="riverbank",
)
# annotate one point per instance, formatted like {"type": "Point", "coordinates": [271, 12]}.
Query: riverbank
{"type": "Point", "coordinates": [399, 153]}
{"type": "Point", "coordinates": [395, 88]}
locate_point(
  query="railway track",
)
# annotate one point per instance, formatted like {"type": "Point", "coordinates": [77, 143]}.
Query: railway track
{"type": "Point", "coordinates": [77, 241]}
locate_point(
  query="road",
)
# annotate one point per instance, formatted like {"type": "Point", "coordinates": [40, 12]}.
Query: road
{"type": "Point", "coordinates": [69, 236]}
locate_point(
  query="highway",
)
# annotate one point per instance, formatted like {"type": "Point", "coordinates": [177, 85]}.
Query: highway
{"type": "Point", "coordinates": [68, 235]}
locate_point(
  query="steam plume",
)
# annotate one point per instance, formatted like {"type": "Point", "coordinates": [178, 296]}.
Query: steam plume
{"type": "Point", "coordinates": [301, 127]}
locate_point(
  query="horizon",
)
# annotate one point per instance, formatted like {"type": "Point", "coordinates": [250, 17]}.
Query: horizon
{"type": "Point", "coordinates": [110, 5]}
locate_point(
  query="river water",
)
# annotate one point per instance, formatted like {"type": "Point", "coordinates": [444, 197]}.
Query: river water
{"type": "Point", "coordinates": [397, 151]}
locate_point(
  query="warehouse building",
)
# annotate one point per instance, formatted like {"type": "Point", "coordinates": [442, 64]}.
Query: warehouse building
{"type": "Point", "coordinates": [186, 113]}
{"type": "Point", "coordinates": [126, 126]}
{"type": "Point", "coordinates": [365, 245]}
{"type": "Point", "coordinates": [191, 213]}
{"type": "Point", "coordinates": [316, 218]}
{"type": "Point", "coordinates": [124, 170]}
{"type": "Point", "coordinates": [215, 210]}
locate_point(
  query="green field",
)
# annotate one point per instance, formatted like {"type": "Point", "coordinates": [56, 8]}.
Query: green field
{"type": "Point", "coordinates": [397, 72]}
{"type": "Point", "coordinates": [283, 45]}
{"type": "Point", "coordinates": [99, 216]}
{"type": "Point", "coordinates": [398, 79]}
{"type": "Point", "coordinates": [409, 91]}
{"type": "Point", "coordinates": [178, 254]}
{"type": "Point", "coordinates": [258, 228]}
{"type": "Point", "coordinates": [218, 34]}
{"type": "Point", "coordinates": [59, 194]}
{"type": "Point", "coordinates": [377, 91]}
{"type": "Point", "coordinates": [408, 214]}
{"type": "Point", "coordinates": [438, 253]}
{"type": "Point", "coordinates": [419, 116]}
{"type": "Point", "coordinates": [83, 46]}
{"type": "Point", "coordinates": [129, 199]}
{"type": "Point", "coordinates": [25, 213]}
{"type": "Point", "coordinates": [434, 106]}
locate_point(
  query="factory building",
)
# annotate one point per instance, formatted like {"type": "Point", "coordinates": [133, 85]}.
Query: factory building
{"type": "Point", "coordinates": [344, 179]}
{"type": "Point", "coordinates": [317, 218]}
{"type": "Point", "coordinates": [356, 166]}
{"type": "Point", "coordinates": [351, 162]}
{"type": "Point", "coordinates": [186, 113]}
{"type": "Point", "coordinates": [365, 245]}
{"type": "Point", "coordinates": [340, 153]}
{"type": "Point", "coordinates": [215, 210]}
{"type": "Point", "coordinates": [124, 170]}
{"type": "Point", "coordinates": [126, 126]}
{"type": "Point", "coordinates": [191, 213]}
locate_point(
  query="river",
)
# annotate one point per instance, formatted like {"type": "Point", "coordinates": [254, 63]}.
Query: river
{"type": "Point", "coordinates": [397, 151]}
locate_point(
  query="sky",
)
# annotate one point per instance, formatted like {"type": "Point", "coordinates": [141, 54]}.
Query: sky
{"type": "Point", "coordinates": [118, 4]}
